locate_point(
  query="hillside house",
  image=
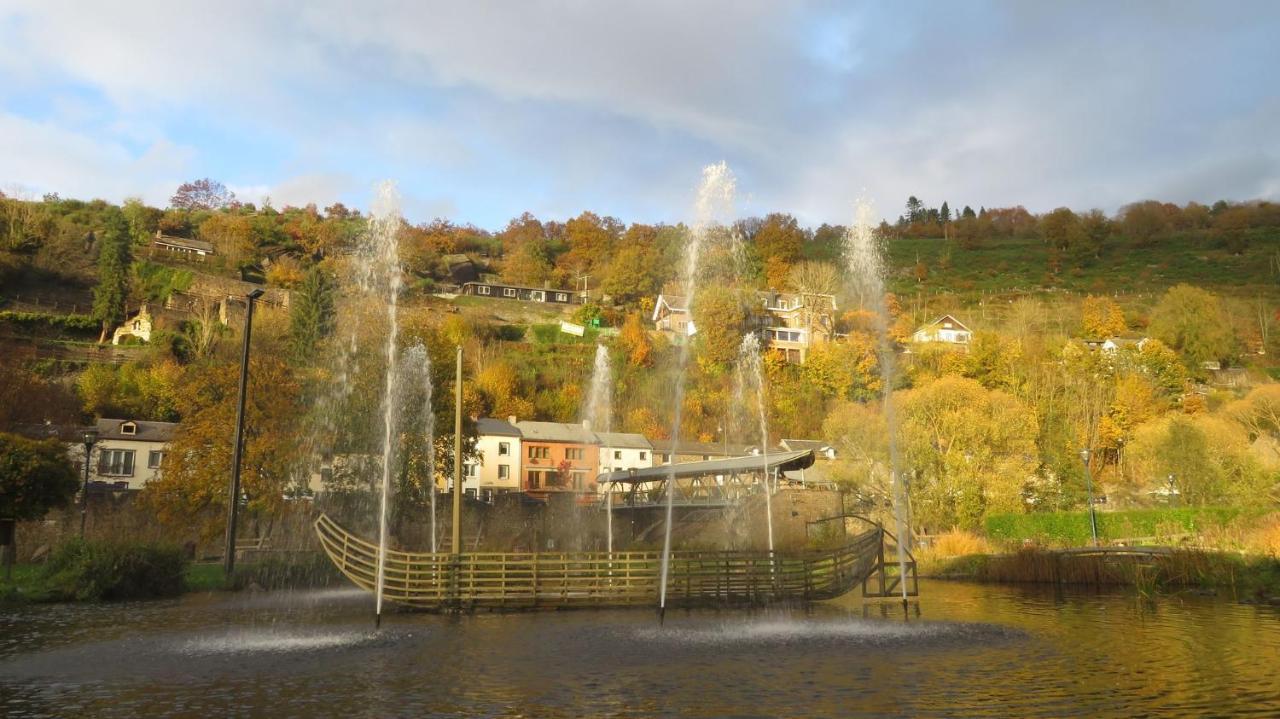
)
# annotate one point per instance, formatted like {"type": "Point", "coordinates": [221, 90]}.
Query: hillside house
{"type": "Point", "coordinates": [789, 323]}
{"type": "Point", "coordinates": [498, 442]}
{"type": "Point", "coordinates": [515, 292]}
{"type": "Point", "coordinates": [127, 455]}
{"type": "Point", "coordinates": [557, 457]}
{"type": "Point", "coordinates": [139, 325]}
{"type": "Point", "coordinates": [946, 329]}
{"type": "Point", "coordinates": [623, 450]}
{"type": "Point", "coordinates": [182, 247]}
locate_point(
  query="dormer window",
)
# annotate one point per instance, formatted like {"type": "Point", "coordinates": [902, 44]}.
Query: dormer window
{"type": "Point", "coordinates": [129, 428]}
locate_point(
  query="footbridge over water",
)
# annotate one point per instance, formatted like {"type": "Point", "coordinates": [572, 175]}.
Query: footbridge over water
{"type": "Point", "coordinates": [708, 484]}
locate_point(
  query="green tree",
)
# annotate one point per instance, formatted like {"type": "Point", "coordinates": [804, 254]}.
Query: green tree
{"type": "Point", "coordinates": [312, 315]}
{"type": "Point", "coordinates": [114, 257]}
{"type": "Point", "coordinates": [970, 451]}
{"type": "Point", "coordinates": [35, 476]}
{"type": "Point", "coordinates": [720, 315]}
{"type": "Point", "coordinates": [1192, 321]}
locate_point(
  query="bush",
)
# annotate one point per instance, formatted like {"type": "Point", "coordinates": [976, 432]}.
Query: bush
{"type": "Point", "coordinates": [93, 571]}
{"type": "Point", "coordinates": [1073, 527]}
{"type": "Point", "coordinates": [32, 321]}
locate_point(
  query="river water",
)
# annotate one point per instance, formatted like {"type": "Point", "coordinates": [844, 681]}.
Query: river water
{"type": "Point", "coordinates": [974, 650]}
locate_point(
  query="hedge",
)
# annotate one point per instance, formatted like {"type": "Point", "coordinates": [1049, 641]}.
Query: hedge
{"type": "Point", "coordinates": [93, 571]}
{"type": "Point", "coordinates": [1073, 527]}
{"type": "Point", "coordinates": [74, 323]}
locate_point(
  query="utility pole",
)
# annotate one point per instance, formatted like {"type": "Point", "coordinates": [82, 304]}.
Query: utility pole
{"type": "Point", "coordinates": [233, 502]}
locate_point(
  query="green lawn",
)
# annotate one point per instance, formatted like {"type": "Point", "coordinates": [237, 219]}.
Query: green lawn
{"type": "Point", "coordinates": [1023, 264]}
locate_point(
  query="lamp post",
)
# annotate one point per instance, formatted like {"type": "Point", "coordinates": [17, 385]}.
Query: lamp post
{"type": "Point", "coordinates": [1088, 476]}
{"type": "Point", "coordinates": [90, 438]}
{"type": "Point", "coordinates": [233, 501]}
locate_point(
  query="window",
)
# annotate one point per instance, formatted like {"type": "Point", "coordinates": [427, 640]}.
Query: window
{"type": "Point", "coordinates": [128, 428]}
{"type": "Point", "coordinates": [538, 296]}
{"type": "Point", "coordinates": [538, 452]}
{"type": "Point", "coordinates": [644, 456]}
{"type": "Point", "coordinates": [508, 292]}
{"type": "Point", "coordinates": [534, 479]}
{"type": "Point", "coordinates": [154, 459]}
{"type": "Point", "coordinates": [579, 480]}
{"type": "Point", "coordinates": [504, 471]}
{"type": "Point", "coordinates": [561, 297]}
{"type": "Point", "coordinates": [573, 453]}
{"type": "Point", "coordinates": [116, 462]}
{"type": "Point", "coordinates": [617, 454]}
{"type": "Point", "coordinates": [504, 449]}
{"type": "Point", "coordinates": [469, 470]}
{"type": "Point", "coordinates": [482, 290]}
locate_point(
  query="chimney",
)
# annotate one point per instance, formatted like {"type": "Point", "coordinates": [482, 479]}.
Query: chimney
{"type": "Point", "coordinates": [586, 424]}
{"type": "Point", "coordinates": [511, 419]}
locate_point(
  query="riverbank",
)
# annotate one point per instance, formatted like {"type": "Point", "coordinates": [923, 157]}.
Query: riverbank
{"type": "Point", "coordinates": [1247, 578]}
{"type": "Point", "coordinates": [37, 584]}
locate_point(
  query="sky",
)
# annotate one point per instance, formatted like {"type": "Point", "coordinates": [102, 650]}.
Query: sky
{"type": "Point", "coordinates": [481, 111]}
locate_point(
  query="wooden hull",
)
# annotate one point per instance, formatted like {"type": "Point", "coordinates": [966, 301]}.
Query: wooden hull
{"type": "Point", "coordinates": [499, 580]}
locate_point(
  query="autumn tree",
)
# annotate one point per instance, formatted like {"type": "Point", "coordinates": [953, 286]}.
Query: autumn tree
{"type": "Point", "coordinates": [847, 368]}
{"type": "Point", "coordinates": [1143, 222]}
{"type": "Point", "coordinates": [204, 194]}
{"type": "Point", "coordinates": [635, 341]}
{"type": "Point", "coordinates": [637, 269]}
{"type": "Point", "coordinates": [1062, 230]}
{"type": "Point", "coordinates": [1101, 317]}
{"type": "Point", "coordinates": [114, 257]}
{"type": "Point", "coordinates": [590, 239]}
{"type": "Point", "coordinates": [191, 492]}
{"type": "Point", "coordinates": [970, 451]}
{"type": "Point", "coordinates": [720, 316]}
{"type": "Point", "coordinates": [1192, 321]}
{"type": "Point", "coordinates": [779, 243]}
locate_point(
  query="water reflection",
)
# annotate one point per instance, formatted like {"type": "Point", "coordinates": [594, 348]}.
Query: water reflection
{"type": "Point", "coordinates": [976, 651]}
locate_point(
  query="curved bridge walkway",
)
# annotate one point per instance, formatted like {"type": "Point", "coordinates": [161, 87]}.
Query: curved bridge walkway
{"type": "Point", "coordinates": [496, 580]}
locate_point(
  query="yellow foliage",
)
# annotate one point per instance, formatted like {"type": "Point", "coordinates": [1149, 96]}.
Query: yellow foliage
{"type": "Point", "coordinates": [1101, 317]}
{"type": "Point", "coordinates": [957, 543]}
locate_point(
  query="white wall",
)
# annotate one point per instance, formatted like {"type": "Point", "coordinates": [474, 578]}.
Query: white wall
{"type": "Point", "coordinates": [485, 476]}
{"type": "Point", "coordinates": [630, 459]}
{"type": "Point", "coordinates": [141, 472]}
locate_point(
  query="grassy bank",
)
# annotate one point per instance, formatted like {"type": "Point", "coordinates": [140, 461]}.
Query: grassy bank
{"type": "Point", "coordinates": [1250, 578]}
{"type": "Point", "coordinates": [116, 572]}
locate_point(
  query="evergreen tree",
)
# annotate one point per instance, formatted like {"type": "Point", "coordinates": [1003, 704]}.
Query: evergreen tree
{"type": "Point", "coordinates": [968, 212]}
{"type": "Point", "coordinates": [114, 258]}
{"type": "Point", "coordinates": [915, 208]}
{"type": "Point", "coordinates": [945, 212]}
{"type": "Point", "coordinates": [313, 316]}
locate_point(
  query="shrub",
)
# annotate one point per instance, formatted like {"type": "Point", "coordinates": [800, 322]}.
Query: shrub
{"type": "Point", "coordinates": [60, 323]}
{"type": "Point", "coordinates": [92, 571]}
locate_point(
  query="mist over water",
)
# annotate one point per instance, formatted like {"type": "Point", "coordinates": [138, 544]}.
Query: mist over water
{"type": "Point", "coordinates": [751, 380]}
{"type": "Point", "coordinates": [714, 204]}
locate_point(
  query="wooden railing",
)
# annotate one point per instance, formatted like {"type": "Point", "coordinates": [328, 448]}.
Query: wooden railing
{"type": "Point", "coordinates": [599, 579]}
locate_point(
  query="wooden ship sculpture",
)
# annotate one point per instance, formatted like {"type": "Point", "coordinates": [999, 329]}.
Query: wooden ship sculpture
{"type": "Point", "coordinates": [464, 581]}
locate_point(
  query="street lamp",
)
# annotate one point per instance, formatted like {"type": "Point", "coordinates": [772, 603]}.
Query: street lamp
{"type": "Point", "coordinates": [90, 438]}
{"type": "Point", "coordinates": [233, 501]}
{"type": "Point", "coordinates": [1088, 475]}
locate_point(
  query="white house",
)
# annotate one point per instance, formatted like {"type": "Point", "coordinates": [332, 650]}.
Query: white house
{"type": "Point", "coordinates": [623, 450]}
{"type": "Point", "coordinates": [946, 329]}
{"type": "Point", "coordinates": [138, 326]}
{"type": "Point", "coordinates": [498, 444]}
{"type": "Point", "coordinates": [127, 455]}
